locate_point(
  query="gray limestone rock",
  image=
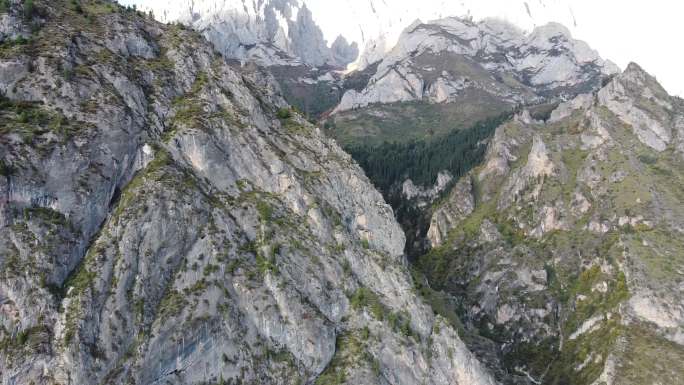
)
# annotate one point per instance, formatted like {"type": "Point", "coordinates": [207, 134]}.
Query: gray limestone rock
{"type": "Point", "coordinates": [437, 61]}
{"type": "Point", "coordinates": [160, 224]}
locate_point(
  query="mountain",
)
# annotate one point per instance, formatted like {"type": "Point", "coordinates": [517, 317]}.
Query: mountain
{"type": "Point", "coordinates": [268, 32]}
{"type": "Point", "coordinates": [465, 71]}
{"type": "Point", "coordinates": [167, 218]}
{"type": "Point", "coordinates": [550, 237]}
{"type": "Point", "coordinates": [431, 104]}
{"type": "Point", "coordinates": [281, 35]}
{"type": "Point", "coordinates": [561, 253]}
{"type": "Point", "coordinates": [482, 206]}
{"type": "Point", "coordinates": [440, 60]}
{"type": "Point", "coordinates": [377, 25]}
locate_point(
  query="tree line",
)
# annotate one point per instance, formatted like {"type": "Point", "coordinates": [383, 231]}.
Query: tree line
{"type": "Point", "coordinates": [422, 160]}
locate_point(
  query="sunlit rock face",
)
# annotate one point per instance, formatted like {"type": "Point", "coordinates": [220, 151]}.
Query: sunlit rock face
{"type": "Point", "coordinates": [270, 32]}
{"type": "Point", "coordinates": [439, 60]}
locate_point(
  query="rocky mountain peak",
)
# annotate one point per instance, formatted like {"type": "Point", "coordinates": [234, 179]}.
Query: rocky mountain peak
{"type": "Point", "coordinates": [638, 77]}
{"type": "Point", "coordinates": [271, 32]}
{"type": "Point", "coordinates": [640, 101]}
{"type": "Point", "coordinates": [634, 67]}
{"type": "Point", "coordinates": [414, 24]}
{"type": "Point", "coordinates": [549, 31]}
{"type": "Point", "coordinates": [342, 51]}
{"type": "Point", "coordinates": [494, 56]}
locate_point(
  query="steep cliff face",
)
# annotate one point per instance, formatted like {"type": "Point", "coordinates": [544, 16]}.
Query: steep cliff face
{"type": "Point", "coordinates": [166, 219]}
{"type": "Point", "coordinates": [272, 32]}
{"type": "Point", "coordinates": [564, 247]}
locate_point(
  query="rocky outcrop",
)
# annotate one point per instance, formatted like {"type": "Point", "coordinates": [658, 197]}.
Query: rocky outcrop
{"type": "Point", "coordinates": [458, 206]}
{"type": "Point", "coordinates": [565, 109]}
{"type": "Point", "coordinates": [649, 114]}
{"type": "Point", "coordinates": [344, 53]}
{"type": "Point", "coordinates": [269, 32]}
{"type": "Point", "coordinates": [537, 167]}
{"type": "Point", "coordinates": [11, 27]}
{"type": "Point", "coordinates": [308, 43]}
{"type": "Point", "coordinates": [424, 196]}
{"type": "Point", "coordinates": [162, 224]}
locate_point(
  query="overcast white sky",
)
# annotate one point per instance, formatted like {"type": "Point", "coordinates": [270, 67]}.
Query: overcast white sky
{"type": "Point", "coordinates": [647, 32]}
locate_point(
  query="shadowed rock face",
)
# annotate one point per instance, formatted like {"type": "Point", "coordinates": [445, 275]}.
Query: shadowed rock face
{"type": "Point", "coordinates": [343, 52]}
{"type": "Point", "coordinates": [570, 260]}
{"type": "Point", "coordinates": [159, 223]}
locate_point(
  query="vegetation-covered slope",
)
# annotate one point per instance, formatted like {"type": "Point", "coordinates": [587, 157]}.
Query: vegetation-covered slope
{"type": "Point", "coordinates": [562, 253]}
{"type": "Point", "coordinates": [405, 122]}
